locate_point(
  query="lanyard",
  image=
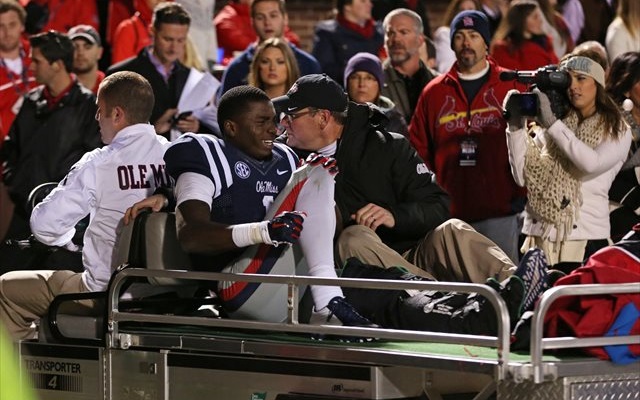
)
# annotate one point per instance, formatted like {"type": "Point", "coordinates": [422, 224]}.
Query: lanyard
{"type": "Point", "coordinates": [19, 82]}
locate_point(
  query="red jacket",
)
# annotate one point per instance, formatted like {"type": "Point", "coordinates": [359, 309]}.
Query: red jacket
{"type": "Point", "coordinates": [65, 14]}
{"type": "Point", "coordinates": [529, 56]}
{"type": "Point", "coordinates": [591, 316]}
{"type": "Point", "coordinates": [118, 11]}
{"type": "Point", "coordinates": [235, 32]}
{"type": "Point", "coordinates": [132, 35]}
{"type": "Point", "coordinates": [12, 87]}
{"type": "Point", "coordinates": [438, 126]}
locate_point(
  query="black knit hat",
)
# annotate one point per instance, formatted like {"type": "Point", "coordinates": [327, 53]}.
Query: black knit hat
{"type": "Point", "coordinates": [471, 19]}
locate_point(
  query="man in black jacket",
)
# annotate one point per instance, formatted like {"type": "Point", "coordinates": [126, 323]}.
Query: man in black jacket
{"type": "Point", "coordinates": [160, 65]}
{"type": "Point", "coordinates": [55, 126]}
{"type": "Point", "coordinates": [392, 211]}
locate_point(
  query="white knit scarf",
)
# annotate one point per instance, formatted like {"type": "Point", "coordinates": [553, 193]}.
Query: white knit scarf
{"type": "Point", "coordinates": [552, 180]}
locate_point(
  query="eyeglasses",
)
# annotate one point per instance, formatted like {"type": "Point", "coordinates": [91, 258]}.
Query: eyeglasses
{"type": "Point", "coordinates": [292, 117]}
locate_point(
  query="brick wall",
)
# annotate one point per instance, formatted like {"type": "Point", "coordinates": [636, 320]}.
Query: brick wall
{"type": "Point", "coordinates": [304, 14]}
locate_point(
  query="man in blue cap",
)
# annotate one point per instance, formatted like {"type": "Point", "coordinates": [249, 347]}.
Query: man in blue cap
{"type": "Point", "coordinates": [458, 129]}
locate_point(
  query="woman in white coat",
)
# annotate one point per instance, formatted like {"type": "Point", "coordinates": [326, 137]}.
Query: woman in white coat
{"type": "Point", "coordinates": [568, 165]}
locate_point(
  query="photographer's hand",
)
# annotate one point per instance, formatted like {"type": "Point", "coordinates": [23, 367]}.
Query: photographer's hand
{"type": "Point", "coordinates": [545, 116]}
{"type": "Point", "coordinates": [511, 108]}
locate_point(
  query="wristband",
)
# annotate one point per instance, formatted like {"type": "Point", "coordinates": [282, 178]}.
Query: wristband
{"type": "Point", "coordinates": [244, 235]}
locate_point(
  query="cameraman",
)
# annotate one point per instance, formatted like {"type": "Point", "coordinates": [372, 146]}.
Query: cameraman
{"type": "Point", "coordinates": [568, 165]}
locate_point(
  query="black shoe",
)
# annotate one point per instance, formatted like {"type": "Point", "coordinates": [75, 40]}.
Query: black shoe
{"type": "Point", "coordinates": [348, 315]}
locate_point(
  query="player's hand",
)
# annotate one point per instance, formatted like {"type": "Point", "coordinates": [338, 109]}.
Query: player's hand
{"type": "Point", "coordinates": [328, 163]}
{"type": "Point", "coordinates": [372, 216]}
{"type": "Point", "coordinates": [155, 202]}
{"type": "Point", "coordinates": [285, 228]}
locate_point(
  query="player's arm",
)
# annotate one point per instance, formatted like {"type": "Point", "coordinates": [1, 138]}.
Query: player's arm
{"type": "Point", "coordinates": [197, 233]}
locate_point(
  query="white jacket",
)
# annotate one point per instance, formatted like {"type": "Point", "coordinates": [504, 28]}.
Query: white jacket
{"type": "Point", "coordinates": [599, 167]}
{"type": "Point", "coordinates": [103, 184]}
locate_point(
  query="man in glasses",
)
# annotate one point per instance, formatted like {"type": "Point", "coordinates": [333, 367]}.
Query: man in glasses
{"type": "Point", "coordinates": [392, 211]}
{"type": "Point", "coordinates": [53, 129]}
{"type": "Point", "coordinates": [244, 206]}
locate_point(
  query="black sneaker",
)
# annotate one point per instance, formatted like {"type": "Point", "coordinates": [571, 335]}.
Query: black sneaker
{"type": "Point", "coordinates": [533, 272]}
{"type": "Point", "coordinates": [348, 315]}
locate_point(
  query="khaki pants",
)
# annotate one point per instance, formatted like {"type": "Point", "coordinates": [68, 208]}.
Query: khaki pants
{"type": "Point", "coordinates": [452, 252]}
{"type": "Point", "coordinates": [25, 297]}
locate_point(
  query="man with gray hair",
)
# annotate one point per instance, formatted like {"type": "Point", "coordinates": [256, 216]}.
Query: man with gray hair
{"type": "Point", "coordinates": [405, 73]}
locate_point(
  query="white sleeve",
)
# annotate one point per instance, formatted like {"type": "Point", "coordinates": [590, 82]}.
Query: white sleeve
{"type": "Point", "coordinates": [194, 186]}
{"type": "Point", "coordinates": [53, 220]}
{"type": "Point", "coordinates": [517, 146]}
{"type": "Point", "coordinates": [590, 161]}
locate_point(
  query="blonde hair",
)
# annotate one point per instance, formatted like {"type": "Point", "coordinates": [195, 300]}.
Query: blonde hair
{"type": "Point", "coordinates": [629, 13]}
{"type": "Point", "coordinates": [293, 72]}
{"type": "Point", "coordinates": [190, 58]}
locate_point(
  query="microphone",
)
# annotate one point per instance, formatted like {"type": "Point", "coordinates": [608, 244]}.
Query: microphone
{"type": "Point", "coordinates": [520, 76]}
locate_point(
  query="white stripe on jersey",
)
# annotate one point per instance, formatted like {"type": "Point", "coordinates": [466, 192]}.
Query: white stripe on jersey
{"type": "Point", "coordinates": [217, 179]}
{"type": "Point", "coordinates": [290, 155]}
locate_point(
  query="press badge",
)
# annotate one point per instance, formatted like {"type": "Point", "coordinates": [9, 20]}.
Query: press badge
{"type": "Point", "coordinates": [468, 152]}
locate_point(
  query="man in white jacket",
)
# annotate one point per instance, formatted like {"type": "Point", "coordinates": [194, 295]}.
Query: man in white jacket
{"type": "Point", "coordinates": [102, 184]}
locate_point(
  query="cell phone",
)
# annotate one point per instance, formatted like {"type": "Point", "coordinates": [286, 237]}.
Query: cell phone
{"type": "Point", "coordinates": [181, 116]}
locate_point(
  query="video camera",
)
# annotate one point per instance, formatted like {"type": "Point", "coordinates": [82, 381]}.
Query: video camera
{"type": "Point", "coordinates": [551, 81]}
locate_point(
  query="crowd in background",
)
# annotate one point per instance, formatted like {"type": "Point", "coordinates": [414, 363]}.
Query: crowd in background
{"type": "Point", "coordinates": [382, 52]}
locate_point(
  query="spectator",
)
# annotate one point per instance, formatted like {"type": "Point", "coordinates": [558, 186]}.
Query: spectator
{"type": "Point", "coordinates": [445, 57]}
{"type": "Point", "coordinates": [597, 17]}
{"type": "Point", "coordinates": [252, 224]}
{"type": "Point", "coordinates": [568, 166]}
{"type": "Point", "coordinates": [236, 30]}
{"type": "Point", "coordinates": [15, 76]}
{"type": "Point", "coordinates": [573, 13]}
{"type": "Point", "coordinates": [54, 128]}
{"type": "Point", "coordinates": [201, 35]}
{"type": "Point", "coordinates": [623, 85]}
{"type": "Point", "coordinates": [351, 31]}
{"type": "Point", "coordinates": [623, 34]}
{"type": "Point", "coordinates": [269, 19]}
{"type": "Point", "coordinates": [274, 67]}
{"type": "Point", "coordinates": [101, 184]}
{"type": "Point", "coordinates": [405, 73]}
{"type": "Point", "coordinates": [132, 35]}
{"type": "Point", "coordinates": [520, 42]}
{"type": "Point", "coordinates": [88, 51]}
{"type": "Point", "coordinates": [381, 8]}
{"type": "Point", "coordinates": [392, 211]}
{"type": "Point", "coordinates": [60, 15]}
{"type": "Point", "coordinates": [363, 79]}
{"type": "Point", "coordinates": [117, 11]}
{"type": "Point", "coordinates": [16, 79]}
{"type": "Point", "coordinates": [494, 11]}
{"type": "Point", "coordinates": [160, 65]}
{"type": "Point", "coordinates": [458, 129]}
{"type": "Point", "coordinates": [555, 26]}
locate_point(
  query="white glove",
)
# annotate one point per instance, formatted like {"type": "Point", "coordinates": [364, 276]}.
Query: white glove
{"type": "Point", "coordinates": [545, 116]}
{"type": "Point", "coordinates": [511, 113]}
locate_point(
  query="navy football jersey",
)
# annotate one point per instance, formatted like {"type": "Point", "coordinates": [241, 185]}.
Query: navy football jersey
{"type": "Point", "coordinates": [244, 187]}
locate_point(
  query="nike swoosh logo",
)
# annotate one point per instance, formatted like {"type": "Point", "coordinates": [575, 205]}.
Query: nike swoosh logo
{"type": "Point", "coordinates": [292, 108]}
{"type": "Point", "coordinates": [281, 172]}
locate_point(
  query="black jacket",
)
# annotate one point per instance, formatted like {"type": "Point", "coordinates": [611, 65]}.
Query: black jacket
{"type": "Point", "coordinates": [379, 167]}
{"type": "Point", "coordinates": [166, 94]}
{"type": "Point", "coordinates": [42, 144]}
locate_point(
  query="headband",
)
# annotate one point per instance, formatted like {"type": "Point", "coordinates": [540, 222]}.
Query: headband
{"type": "Point", "coordinates": [584, 65]}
